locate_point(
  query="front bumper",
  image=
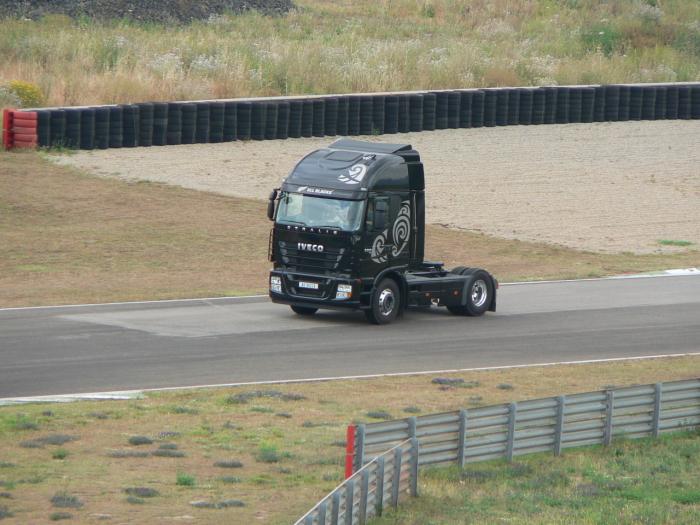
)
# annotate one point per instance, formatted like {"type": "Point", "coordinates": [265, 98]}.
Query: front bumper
{"type": "Point", "coordinates": [325, 296]}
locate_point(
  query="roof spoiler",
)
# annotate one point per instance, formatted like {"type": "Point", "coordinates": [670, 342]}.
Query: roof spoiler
{"type": "Point", "coordinates": [369, 147]}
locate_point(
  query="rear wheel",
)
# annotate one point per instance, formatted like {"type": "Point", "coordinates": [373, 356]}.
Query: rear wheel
{"type": "Point", "coordinates": [303, 310]}
{"type": "Point", "coordinates": [386, 302]}
{"type": "Point", "coordinates": [479, 294]}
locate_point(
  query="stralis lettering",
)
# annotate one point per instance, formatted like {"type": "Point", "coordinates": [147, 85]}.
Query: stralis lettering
{"type": "Point", "coordinates": [310, 247]}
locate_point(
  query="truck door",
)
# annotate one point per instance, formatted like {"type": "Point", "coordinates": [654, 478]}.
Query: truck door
{"type": "Point", "coordinates": [387, 232]}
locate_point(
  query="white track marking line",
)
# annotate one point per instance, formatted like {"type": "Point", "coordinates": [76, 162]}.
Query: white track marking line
{"type": "Point", "coordinates": [131, 394]}
{"type": "Point", "coordinates": [681, 272]}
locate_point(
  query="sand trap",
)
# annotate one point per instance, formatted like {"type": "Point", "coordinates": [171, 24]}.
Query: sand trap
{"type": "Point", "coordinates": [607, 187]}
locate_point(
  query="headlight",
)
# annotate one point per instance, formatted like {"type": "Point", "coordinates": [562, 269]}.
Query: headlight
{"type": "Point", "coordinates": [276, 283]}
{"type": "Point", "coordinates": [344, 291]}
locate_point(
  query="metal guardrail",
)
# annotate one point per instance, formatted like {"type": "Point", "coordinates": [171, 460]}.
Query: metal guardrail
{"type": "Point", "coordinates": [381, 453]}
{"type": "Point", "coordinates": [539, 425]}
{"type": "Point", "coordinates": [364, 494]}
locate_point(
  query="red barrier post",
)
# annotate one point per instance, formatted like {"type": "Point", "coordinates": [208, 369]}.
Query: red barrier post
{"type": "Point", "coordinates": [24, 129]}
{"type": "Point", "coordinates": [7, 141]}
{"type": "Point", "coordinates": [350, 451]}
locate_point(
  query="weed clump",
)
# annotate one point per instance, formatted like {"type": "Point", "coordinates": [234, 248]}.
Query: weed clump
{"type": "Point", "coordinates": [168, 453]}
{"type": "Point", "coordinates": [5, 512]}
{"type": "Point", "coordinates": [142, 492]}
{"type": "Point", "coordinates": [140, 440]}
{"type": "Point", "coordinates": [412, 410]}
{"type": "Point", "coordinates": [230, 479]}
{"type": "Point", "coordinates": [447, 381]}
{"type": "Point", "coordinates": [58, 516]}
{"type": "Point", "coordinates": [65, 500]}
{"type": "Point", "coordinates": [379, 414]}
{"type": "Point", "coordinates": [243, 397]}
{"type": "Point", "coordinates": [184, 410]}
{"type": "Point", "coordinates": [127, 454]}
{"type": "Point", "coordinates": [228, 464]}
{"type": "Point", "coordinates": [168, 434]}
{"type": "Point", "coordinates": [505, 386]}
{"type": "Point", "coordinates": [202, 504]}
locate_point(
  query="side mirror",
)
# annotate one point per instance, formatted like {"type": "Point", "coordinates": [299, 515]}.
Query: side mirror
{"type": "Point", "coordinates": [381, 209]}
{"type": "Point", "coordinates": [271, 205]}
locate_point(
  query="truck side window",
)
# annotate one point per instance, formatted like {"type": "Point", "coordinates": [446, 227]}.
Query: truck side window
{"type": "Point", "coordinates": [377, 213]}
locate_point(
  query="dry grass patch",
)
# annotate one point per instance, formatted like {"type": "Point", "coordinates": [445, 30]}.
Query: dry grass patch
{"type": "Point", "coordinates": [72, 238]}
{"type": "Point", "coordinates": [287, 465]}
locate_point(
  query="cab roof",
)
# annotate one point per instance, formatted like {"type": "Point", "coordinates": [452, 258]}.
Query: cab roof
{"type": "Point", "coordinates": [350, 168]}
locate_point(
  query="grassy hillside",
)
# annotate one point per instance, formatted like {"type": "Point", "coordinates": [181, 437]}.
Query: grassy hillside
{"type": "Point", "coordinates": [632, 482]}
{"type": "Point", "coordinates": [359, 45]}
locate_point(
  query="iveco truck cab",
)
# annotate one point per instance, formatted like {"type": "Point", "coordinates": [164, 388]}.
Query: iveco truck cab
{"type": "Point", "coordinates": [349, 233]}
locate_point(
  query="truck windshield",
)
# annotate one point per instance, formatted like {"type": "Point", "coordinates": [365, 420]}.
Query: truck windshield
{"type": "Point", "coordinates": [319, 212]}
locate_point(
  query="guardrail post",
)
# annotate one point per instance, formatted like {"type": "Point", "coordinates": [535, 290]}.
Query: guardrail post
{"type": "Point", "coordinates": [335, 509]}
{"type": "Point", "coordinates": [322, 512]}
{"type": "Point", "coordinates": [349, 451]}
{"type": "Point", "coordinates": [512, 412]}
{"type": "Point", "coordinates": [657, 409]}
{"type": "Point", "coordinates": [360, 447]}
{"type": "Point", "coordinates": [415, 453]}
{"type": "Point", "coordinates": [462, 437]}
{"type": "Point", "coordinates": [379, 495]}
{"type": "Point", "coordinates": [607, 435]}
{"type": "Point", "coordinates": [349, 501]}
{"type": "Point", "coordinates": [396, 481]}
{"type": "Point", "coordinates": [412, 423]}
{"type": "Point", "coordinates": [364, 489]}
{"type": "Point", "coordinates": [558, 434]}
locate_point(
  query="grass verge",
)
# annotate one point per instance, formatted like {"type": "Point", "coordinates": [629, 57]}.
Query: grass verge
{"type": "Point", "coordinates": [238, 464]}
{"type": "Point", "coordinates": [68, 237]}
{"type": "Point", "coordinates": [631, 482]}
{"type": "Point", "coordinates": [358, 46]}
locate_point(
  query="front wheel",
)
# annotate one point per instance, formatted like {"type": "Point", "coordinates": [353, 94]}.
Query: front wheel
{"type": "Point", "coordinates": [479, 295]}
{"type": "Point", "coordinates": [386, 302]}
{"type": "Point", "coordinates": [303, 310]}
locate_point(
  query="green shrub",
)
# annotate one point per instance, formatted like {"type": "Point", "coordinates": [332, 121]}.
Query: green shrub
{"type": "Point", "coordinates": [268, 453]}
{"type": "Point", "coordinates": [185, 480]}
{"type": "Point", "coordinates": [60, 453]}
{"type": "Point", "coordinates": [29, 95]}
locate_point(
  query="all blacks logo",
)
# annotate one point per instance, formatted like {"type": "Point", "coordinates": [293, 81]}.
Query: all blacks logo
{"type": "Point", "coordinates": [310, 247]}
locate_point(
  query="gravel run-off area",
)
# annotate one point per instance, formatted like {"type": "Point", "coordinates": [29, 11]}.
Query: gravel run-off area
{"type": "Point", "coordinates": [605, 187]}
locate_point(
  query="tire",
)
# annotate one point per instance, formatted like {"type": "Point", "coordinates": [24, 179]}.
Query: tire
{"type": "Point", "coordinates": [303, 310]}
{"type": "Point", "coordinates": [479, 293]}
{"type": "Point", "coordinates": [386, 302]}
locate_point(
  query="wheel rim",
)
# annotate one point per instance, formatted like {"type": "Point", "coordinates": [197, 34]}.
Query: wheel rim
{"type": "Point", "coordinates": [479, 293]}
{"type": "Point", "coordinates": [386, 302]}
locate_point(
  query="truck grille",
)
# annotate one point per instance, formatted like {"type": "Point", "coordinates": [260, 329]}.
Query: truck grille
{"type": "Point", "coordinates": [311, 262]}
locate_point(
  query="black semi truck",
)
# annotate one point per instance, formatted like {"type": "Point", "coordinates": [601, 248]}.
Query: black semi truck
{"type": "Point", "coordinates": [349, 232]}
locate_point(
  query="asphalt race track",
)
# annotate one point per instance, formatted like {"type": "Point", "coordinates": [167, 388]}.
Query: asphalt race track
{"type": "Point", "coordinates": [64, 350]}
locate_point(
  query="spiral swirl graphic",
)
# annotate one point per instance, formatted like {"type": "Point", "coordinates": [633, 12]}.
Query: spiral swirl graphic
{"type": "Point", "coordinates": [355, 174]}
{"type": "Point", "coordinates": [402, 229]}
{"type": "Point", "coordinates": [378, 245]}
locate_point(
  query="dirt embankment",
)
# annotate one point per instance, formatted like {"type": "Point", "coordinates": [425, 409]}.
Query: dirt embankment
{"type": "Point", "coordinates": [163, 11]}
{"type": "Point", "coordinates": [604, 187]}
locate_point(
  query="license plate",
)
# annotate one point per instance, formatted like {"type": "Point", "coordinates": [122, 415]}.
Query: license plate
{"type": "Point", "coordinates": [310, 286]}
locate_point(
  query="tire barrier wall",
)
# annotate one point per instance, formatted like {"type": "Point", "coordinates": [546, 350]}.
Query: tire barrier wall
{"type": "Point", "coordinates": [159, 124]}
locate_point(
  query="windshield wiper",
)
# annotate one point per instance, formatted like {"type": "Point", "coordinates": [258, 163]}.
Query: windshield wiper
{"type": "Point", "coordinates": [293, 222]}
